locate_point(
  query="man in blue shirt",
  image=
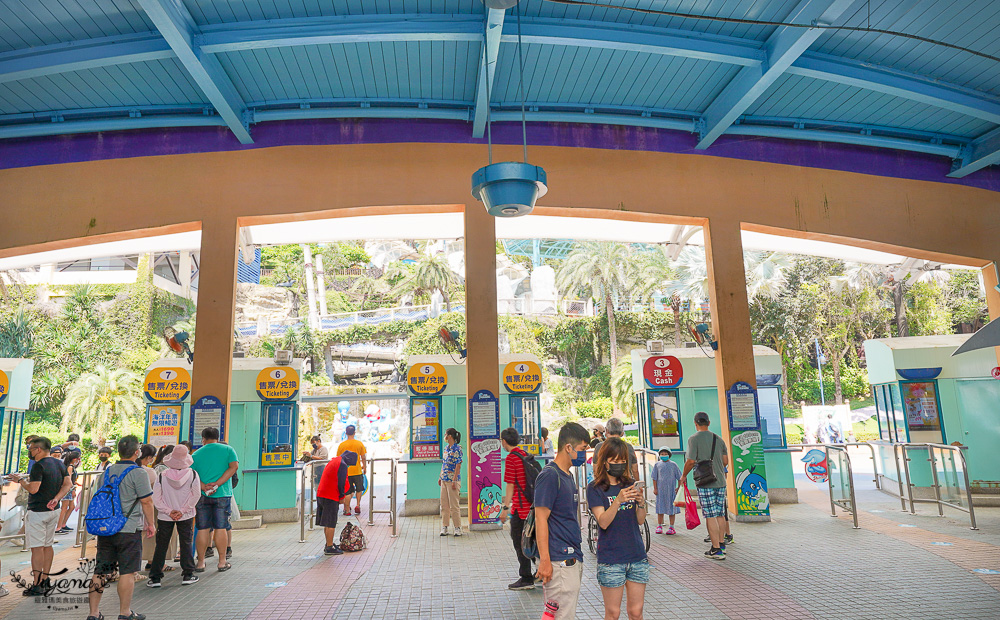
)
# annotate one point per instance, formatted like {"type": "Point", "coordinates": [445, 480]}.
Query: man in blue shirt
{"type": "Point", "coordinates": [557, 524]}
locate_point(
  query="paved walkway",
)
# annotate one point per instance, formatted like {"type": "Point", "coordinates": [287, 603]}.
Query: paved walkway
{"type": "Point", "coordinates": [804, 564]}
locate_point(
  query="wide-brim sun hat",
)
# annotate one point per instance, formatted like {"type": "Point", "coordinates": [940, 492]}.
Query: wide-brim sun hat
{"type": "Point", "coordinates": [179, 458]}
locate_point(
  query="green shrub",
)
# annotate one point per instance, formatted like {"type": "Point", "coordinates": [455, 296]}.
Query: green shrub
{"type": "Point", "coordinates": [794, 438]}
{"type": "Point", "coordinates": [601, 407]}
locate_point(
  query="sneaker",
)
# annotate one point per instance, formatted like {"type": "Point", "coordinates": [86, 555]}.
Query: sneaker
{"type": "Point", "coordinates": [708, 539]}
{"type": "Point", "coordinates": [229, 552]}
{"type": "Point", "coordinates": [210, 552]}
{"type": "Point", "coordinates": [3, 591]}
{"type": "Point", "coordinates": [671, 531]}
{"type": "Point", "coordinates": [357, 510]}
{"type": "Point", "coordinates": [728, 539]}
{"type": "Point", "coordinates": [522, 584]}
{"type": "Point", "coordinates": [715, 554]}
{"type": "Point", "coordinates": [132, 616]}
{"type": "Point", "coordinates": [659, 529]}
{"type": "Point", "coordinates": [347, 512]}
{"type": "Point", "coordinates": [723, 547]}
{"type": "Point", "coordinates": [187, 580]}
{"type": "Point", "coordinates": [458, 532]}
{"type": "Point", "coordinates": [153, 584]}
{"type": "Point", "coordinates": [32, 591]}
{"type": "Point", "coordinates": [444, 531]}
{"type": "Point", "coordinates": [99, 616]}
{"type": "Point", "coordinates": [332, 550]}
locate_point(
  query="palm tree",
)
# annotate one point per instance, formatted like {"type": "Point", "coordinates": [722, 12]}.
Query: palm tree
{"type": "Point", "coordinates": [369, 288]}
{"type": "Point", "coordinates": [16, 335]}
{"type": "Point", "coordinates": [602, 268]}
{"type": "Point", "coordinates": [657, 273]}
{"type": "Point", "coordinates": [621, 388]}
{"type": "Point", "coordinates": [97, 398]}
{"type": "Point", "coordinates": [431, 273]}
{"type": "Point", "coordinates": [765, 274]}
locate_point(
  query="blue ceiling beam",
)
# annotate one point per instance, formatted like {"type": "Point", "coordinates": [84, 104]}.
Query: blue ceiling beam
{"type": "Point", "coordinates": [898, 84]}
{"type": "Point", "coordinates": [981, 152]}
{"type": "Point", "coordinates": [487, 69]}
{"type": "Point", "coordinates": [178, 28]}
{"type": "Point", "coordinates": [783, 47]}
{"type": "Point", "coordinates": [107, 124]}
{"type": "Point", "coordinates": [34, 62]}
{"type": "Point", "coordinates": [845, 137]}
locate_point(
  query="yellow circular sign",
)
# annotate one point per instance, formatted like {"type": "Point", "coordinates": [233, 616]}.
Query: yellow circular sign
{"type": "Point", "coordinates": [278, 383]}
{"type": "Point", "coordinates": [522, 377]}
{"type": "Point", "coordinates": [4, 385]}
{"type": "Point", "coordinates": [426, 379]}
{"type": "Point", "coordinates": [167, 385]}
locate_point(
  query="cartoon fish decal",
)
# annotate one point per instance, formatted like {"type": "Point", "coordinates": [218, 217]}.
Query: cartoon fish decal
{"type": "Point", "coordinates": [816, 466]}
{"type": "Point", "coordinates": [490, 501]}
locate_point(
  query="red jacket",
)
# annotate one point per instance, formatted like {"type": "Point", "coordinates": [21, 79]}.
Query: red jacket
{"type": "Point", "coordinates": [333, 484]}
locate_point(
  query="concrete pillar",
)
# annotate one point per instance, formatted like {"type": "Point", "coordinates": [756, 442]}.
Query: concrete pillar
{"type": "Point", "coordinates": [213, 355]}
{"type": "Point", "coordinates": [990, 282]}
{"type": "Point", "coordinates": [730, 320]}
{"type": "Point", "coordinates": [481, 371]}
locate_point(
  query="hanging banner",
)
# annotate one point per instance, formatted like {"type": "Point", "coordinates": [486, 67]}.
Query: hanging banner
{"type": "Point", "coordinates": [278, 383]}
{"type": "Point", "coordinates": [163, 425]}
{"type": "Point", "coordinates": [167, 385]}
{"type": "Point", "coordinates": [485, 493]}
{"type": "Point", "coordinates": [747, 454]}
{"type": "Point", "coordinates": [522, 377]}
{"type": "Point", "coordinates": [4, 385]}
{"type": "Point", "coordinates": [662, 371]}
{"type": "Point", "coordinates": [426, 379]}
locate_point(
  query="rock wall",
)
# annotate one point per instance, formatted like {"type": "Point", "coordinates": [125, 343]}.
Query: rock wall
{"type": "Point", "coordinates": [254, 301]}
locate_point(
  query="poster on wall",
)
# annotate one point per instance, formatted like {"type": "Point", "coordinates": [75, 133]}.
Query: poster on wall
{"type": "Point", "coordinates": [485, 492]}
{"type": "Point", "coordinates": [920, 403]}
{"type": "Point", "coordinates": [207, 411]}
{"type": "Point", "coordinates": [663, 414]}
{"type": "Point", "coordinates": [425, 439]}
{"type": "Point", "coordinates": [747, 455]}
{"type": "Point", "coordinates": [163, 425]}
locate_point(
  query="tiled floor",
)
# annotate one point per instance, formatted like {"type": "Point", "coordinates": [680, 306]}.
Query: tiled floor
{"type": "Point", "coordinates": [805, 564]}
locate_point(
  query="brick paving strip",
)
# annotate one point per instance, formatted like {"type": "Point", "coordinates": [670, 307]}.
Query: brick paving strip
{"type": "Point", "coordinates": [962, 552]}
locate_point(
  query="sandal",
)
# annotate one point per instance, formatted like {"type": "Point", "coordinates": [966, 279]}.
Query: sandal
{"type": "Point", "coordinates": [200, 570]}
{"type": "Point", "coordinates": [223, 569]}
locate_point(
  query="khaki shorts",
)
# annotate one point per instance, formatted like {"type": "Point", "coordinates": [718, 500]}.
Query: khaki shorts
{"type": "Point", "coordinates": [564, 588]}
{"type": "Point", "coordinates": [41, 528]}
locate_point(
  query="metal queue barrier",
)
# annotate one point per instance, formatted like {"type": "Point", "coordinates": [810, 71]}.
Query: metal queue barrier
{"type": "Point", "coordinates": [838, 462]}
{"type": "Point", "coordinates": [86, 492]}
{"type": "Point", "coordinates": [944, 461]}
{"type": "Point", "coordinates": [307, 495]}
{"type": "Point", "coordinates": [24, 516]}
{"type": "Point", "coordinates": [393, 464]}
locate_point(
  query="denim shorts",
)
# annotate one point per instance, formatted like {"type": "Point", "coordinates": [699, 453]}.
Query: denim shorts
{"type": "Point", "coordinates": [615, 575]}
{"type": "Point", "coordinates": [212, 513]}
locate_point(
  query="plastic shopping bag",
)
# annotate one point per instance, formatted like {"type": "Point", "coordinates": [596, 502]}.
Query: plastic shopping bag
{"type": "Point", "coordinates": [690, 510]}
{"type": "Point", "coordinates": [679, 500]}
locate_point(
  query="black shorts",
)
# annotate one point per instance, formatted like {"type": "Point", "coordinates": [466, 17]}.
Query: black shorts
{"type": "Point", "coordinates": [120, 552]}
{"type": "Point", "coordinates": [355, 484]}
{"type": "Point", "coordinates": [327, 511]}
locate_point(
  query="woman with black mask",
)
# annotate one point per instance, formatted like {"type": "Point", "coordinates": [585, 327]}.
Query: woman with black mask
{"type": "Point", "coordinates": [619, 505]}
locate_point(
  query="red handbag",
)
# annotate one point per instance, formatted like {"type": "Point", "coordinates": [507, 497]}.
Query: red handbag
{"type": "Point", "coordinates": [690, 510]}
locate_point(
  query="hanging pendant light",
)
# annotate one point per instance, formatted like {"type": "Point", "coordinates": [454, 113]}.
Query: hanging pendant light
{"type": "Point", "coordinates": [510, 188]}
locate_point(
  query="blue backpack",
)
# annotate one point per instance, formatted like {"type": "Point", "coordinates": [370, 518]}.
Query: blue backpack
{"type": "Point", "coordinates": [104, 513]}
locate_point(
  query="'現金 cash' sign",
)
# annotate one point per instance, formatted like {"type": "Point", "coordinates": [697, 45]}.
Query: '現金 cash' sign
{"type": "Point", "coordinates": [167, 385]}
{"type": "Point", "coordinates": [278, 383]}
{"type": "Point", "coordinates": [426, 379]}
{"type": "Point", "coordinates": [522, 377]}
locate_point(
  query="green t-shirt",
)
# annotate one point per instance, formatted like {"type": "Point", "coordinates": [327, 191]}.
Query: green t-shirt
{"type": "Point", "coordinates": [211, 461]}
{"type": "Point", "coordinates": [700, 449]}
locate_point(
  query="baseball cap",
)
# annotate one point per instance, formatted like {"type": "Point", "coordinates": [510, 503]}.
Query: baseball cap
{"type": "Point", "coordinates": [701, 418]}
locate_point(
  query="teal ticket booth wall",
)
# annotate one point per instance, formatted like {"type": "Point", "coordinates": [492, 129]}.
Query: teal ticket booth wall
{"type": "Point", "coordinates": [15, 395]}
{"type": "Point", "coordinates": [668, 395]}
{"type": "Point", "coordinates": [924, 395]}
{"type": "Point", "coordinates": [261, 424]}
{"type": "Point", "coordinates": [437, 394]}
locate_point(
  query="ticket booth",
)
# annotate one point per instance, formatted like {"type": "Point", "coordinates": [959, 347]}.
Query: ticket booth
{"type": "Point", "coordinates": [924, 395]}
{"type": "Point", "coordinates": [261, 424]}
{"type": "Point", "coordinates": [15, 395]}
{"type": "Point", "coordinates": [437, 394]}
{"type": "Point", "coordinates": [670, 387]}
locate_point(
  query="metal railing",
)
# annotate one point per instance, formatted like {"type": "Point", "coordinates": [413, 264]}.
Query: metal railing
{"type": "Point", "coordinates": [939, 456]}
{"type": "Point", "coordinates": [86, 492]}
{"type": "Point", "coordinates": [866, 444]}
{"type": "Point", "coordinates": [843, 495]}
{"type": "Point", "coordinates": [393, 464]}
{"type": "Point", "coordinates": [22, 535]}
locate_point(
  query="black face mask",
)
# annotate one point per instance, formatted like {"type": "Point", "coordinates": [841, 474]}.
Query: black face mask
{"type": "Point", "coordinates": [315, 446]}
{"type": "Point", "coordinates": [103, 458]}
{"type": "Point", "coordinates": [616, 469]}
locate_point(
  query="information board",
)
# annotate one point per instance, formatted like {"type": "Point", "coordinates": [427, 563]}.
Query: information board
{"type": "Point", "coordinates": [744, 412]}
{"type": "Point", "coordinates": [207, 411]}
{"type": "Point", "coordinates": [163, 424]}
{"type": "Point", "coordinates": [485, 492]}
{"type": "Point", "coordinates": [747, 454]}
{"type": "Point", "coordinates": [425, 428]}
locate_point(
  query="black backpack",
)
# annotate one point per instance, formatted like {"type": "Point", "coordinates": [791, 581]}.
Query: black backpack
{"type": "Point", "coordinates": [531, 470]}
{"type": "Point", "coordinates": [529, 546]}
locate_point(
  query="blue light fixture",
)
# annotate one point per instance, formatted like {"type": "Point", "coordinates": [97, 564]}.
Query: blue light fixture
{"type": "Point", "coordinates": [509, 188]}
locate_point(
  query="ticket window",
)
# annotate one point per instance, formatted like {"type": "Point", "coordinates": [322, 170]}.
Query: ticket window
{"type": "Point", "coordinates": [664, 419]}
{"type": "Point", "coordinates": [923, 411]}
{"type": "Point", "coordinates": [891, 414]}
{"type": "Point", "coordinates": [278, 432]}
{"type": "Point", "coordinates": [524, 417]}
{"type": "Point", "coordinates": [425, 428]}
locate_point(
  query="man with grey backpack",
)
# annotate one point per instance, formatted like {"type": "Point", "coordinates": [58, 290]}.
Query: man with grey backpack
{"type": "Point", "coordinates": [708, 457]}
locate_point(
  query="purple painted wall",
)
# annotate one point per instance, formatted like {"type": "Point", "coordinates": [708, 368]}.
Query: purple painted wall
{"type": "Point", "coordinates": [140, 143]}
